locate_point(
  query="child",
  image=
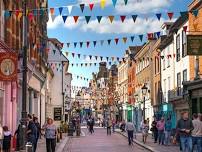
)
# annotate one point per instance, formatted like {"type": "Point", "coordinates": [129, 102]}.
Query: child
{"type": "Point", "coordinates": [7, 139]}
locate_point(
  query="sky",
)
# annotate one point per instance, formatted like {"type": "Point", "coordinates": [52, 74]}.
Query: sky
{"type": "Point", "coordinates": [146, 22]}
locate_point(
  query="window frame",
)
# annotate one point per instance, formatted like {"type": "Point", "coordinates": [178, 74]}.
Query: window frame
{"type": "Point", "coordinates": [178, 47]}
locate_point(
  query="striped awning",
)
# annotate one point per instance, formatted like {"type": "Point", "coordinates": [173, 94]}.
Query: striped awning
{"type": "Point", "coordinates": [4, 47]}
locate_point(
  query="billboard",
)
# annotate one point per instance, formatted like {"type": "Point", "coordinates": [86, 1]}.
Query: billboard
{"type": "Point", "coordinates": [8, 66]}
{"type": "Point", "coordinates": [194, 44]}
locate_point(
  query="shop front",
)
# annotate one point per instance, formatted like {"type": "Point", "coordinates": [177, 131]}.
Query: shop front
{"type": "Point", "coordinates": [130, 112]}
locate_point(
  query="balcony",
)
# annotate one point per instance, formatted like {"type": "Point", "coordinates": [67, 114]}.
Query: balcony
{"type": "Point", "coordinates": [175, 94]}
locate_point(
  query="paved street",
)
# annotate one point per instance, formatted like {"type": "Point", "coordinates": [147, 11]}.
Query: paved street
{"type": "Point", "coordinates": [100, 142]}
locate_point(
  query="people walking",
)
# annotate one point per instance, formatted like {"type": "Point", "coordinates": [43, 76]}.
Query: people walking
{"type": "Point", "coordinates": [168, 128]}
{"type": "Point", "coordinates": [91, 125]}
{"type": "Point", "coordinates": [154, 130]}
{"type": "Point", "coordinates": [50, 135]}
{"type": "Point", "coordinates": [160, 127]}
{"type": "Point", "coordinates": [197, 133]}
{"type": "Point", "coordinates": [32, 132]}
{"type": "Point", "coordinates": [130, 129]}
{"type": "Point", "coordinates": [113, 125]}
{"type": "Point", "coordinates": [184, 128]}
{"type": "Point", "coordinates": [38, 126]}
{"type": "Point", "coordinates": [145, 130]}
{"type": "Point", "coordinates": [6, 139]}
{"type": "Point", "coordinates": [109, 125]}
{"type": "Point", "coordinates": [122, 126]}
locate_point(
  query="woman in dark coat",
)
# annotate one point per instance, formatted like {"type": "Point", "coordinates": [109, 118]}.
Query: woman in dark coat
{"type": "Point", "coordinates": [7, 139]}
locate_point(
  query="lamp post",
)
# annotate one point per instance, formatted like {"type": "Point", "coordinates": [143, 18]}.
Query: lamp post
{"type": "Point", "coordinates": [144, 92]}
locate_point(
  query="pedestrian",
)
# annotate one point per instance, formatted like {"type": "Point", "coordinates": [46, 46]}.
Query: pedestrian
{"type": "Point", "coordinates": [130, 129]}
{"type": "Point", "coordinates": [113, 125]}
{"type": "Point", "coordinates": [154, 130]}
{"type": "Point", "coordinates": [145, 129]}
{"type": "Point", "coordinates": [123, 125]}
{"type": "Point", "coordinates": [50, 135]}
{"type": "Point", "coordinates": [38, 126]}
{"type": "Point", "coordinates": [109, 125]}
{"type": "Point", "coordinates": [7, 139]}
{"type": "Point", "coordinates": [160, 127]}
{"type": "Point", "coordinates": [91, 123]}
{"type": "Point", "coordinates": [31, 132]}
{"type": "Point", "coordinates": [168, 128]}
{"type": "Point", "coordinates": [197, 133]}
{"type": "Point", "coordinates": [184, 127]}
{"type": "Point", "coordinates": [17, 136]}
{"type": "Point", "coordinates": [1, 137]}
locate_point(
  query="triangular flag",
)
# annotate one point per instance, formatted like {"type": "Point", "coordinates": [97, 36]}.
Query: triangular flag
{"type": "Point", "coordinates": [54, 51]}
{"type": "Point", "coordinates": [87, 44]}
{"type": "Point", "coordinates": [117, 58]}
{"type": "Point", "coordinates": [30, 16]}
{"type": "Point", "coordinates": [96, 57]}
{"type": "Point", "coordinates": [124, 39]}
{"type": "Point", "coordinates": [126, 2]}
{"type": "Point", "coordinates": [141, 37]}
{"type": "Point", "coordinates": [111, 18]}
{"type": "Point", "coordinates": [73, 55]}
{"type": "Point", "coordinates": [64, 18]}
{"type": "Point", "coordinates": [66, 54]}
{"type": "Point", "coordinates": [158, 34]}
{"type": "Point", "coordinates": [75, 44]}
{"type": "Point", "coordinates": [99, 18]}
{"type": "Point", "coordinates": [79, 55]}
{"type": "Point", "coordinates": [109, 41]}
{"type": "Point", "coordinates": [162, 57]}
{"type": "Point", "coordinates": [82, 6]}
{"type": "Point", "coordinates": [68, 44]}
{"type": "Point", "coordinates": [107, 58]}
{"type": "Point", "coordinates": [75, 18]}
{"type": "Point", "coordinates": [123, 17]}
{"type": "Point", "coordinates": [150, 36]}
{"type": "Point", "coordinates": [134, 18]}
{"type": "Point", "coordinates": [185, 29]}
{"type": "Point", "coordinates": [81, 64]}
{"type": "Point", "coordinates": [116, 40]}
{"type": "Point", "coordinates": [91, 6]}
{"type": "Point", "coordinates": [53, 17]}
{"type": "Point", "coordinates": [20, 15]}
{"type": "Point", "coordinates": [101, 58]}
{"type": "Point", "coordinates": [17, 12]}
{"type": "Point", "coordinates": [60, 10]}
{"type": "Point", "coordinates": [52, 11]}
{"type": "Point", "coordinates": [7, 14]}
{"type": "Point", "coordinates": [90, 56]}
{"type": "Point", "coordinates": [114, 2]}
{"type": "Point", "coordinates": [195, 13]}
{"type": "Point", "coordinates": [132, 38]}
{"type": "Point", "coordinates": [95, 64]}
{"type": "Point", "coordinates": [102, 42]}
{"type": "Point", "coordinates": [70, 9]}
{"type": "Point", "coordinates": [87, 19]}
{"type": "Point", "coordinates": [184, 14]}
{"type": "Point", "coordinates": [81, 44]}
{"type": "Point", "coordinates": [170, 15]}
{"type": "Point", "coordinates": [94, 43]}
{"type": "Point", "coordinates": [102, 4]}
{"type": "Point", "coordinates": [158, 15]}
{"type": "Point", "coordinates": [112, 58]}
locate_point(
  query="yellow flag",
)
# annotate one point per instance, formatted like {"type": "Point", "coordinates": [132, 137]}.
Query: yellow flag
{"type": "Point", "coordinates": [102, 4]}
{"type": "Point", "coordinates": [19, 15]}
{"type": "Point", "coordinates": [124, 39]}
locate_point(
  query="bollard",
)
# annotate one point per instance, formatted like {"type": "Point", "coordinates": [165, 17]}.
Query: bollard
{"type": "Point", "coordinates": [29, 147]}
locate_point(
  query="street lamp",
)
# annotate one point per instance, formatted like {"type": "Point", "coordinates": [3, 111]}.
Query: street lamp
{"type": "Point", "coordinates": [144, 92]}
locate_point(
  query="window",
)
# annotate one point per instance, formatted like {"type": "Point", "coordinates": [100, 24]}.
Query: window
{"type": "Point", "coordinates": [185, 75]}
{"type": "Point", "coordinates": [168, 57]}
{"type": "Point", "coordinates": [184, 43]}
{"type": "Point", "coordinates": [168, 87]}
{"type": "Point", "coordinates": [164, 62]}
{"type": "Point", "coordinates": [178, 84]}
{"type": "Point", "coordinates": [178, 47]}
{"type": "Point", "coordinates": [164, 89]}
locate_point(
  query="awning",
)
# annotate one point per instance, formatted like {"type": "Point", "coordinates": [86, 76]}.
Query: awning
{"type": "Point", "coordinates": [4, 47]}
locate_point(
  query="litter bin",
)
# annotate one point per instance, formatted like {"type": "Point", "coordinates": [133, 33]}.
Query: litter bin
{"type": "Point", "coordinates": [29, 147]}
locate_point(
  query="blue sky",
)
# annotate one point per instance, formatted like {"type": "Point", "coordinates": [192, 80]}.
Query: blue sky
{"type": "Point", "coordinates": [71, 32]}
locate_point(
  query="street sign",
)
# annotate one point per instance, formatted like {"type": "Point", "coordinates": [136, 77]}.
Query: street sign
{"type": "Point", "coordinates": [194, 44]}
{"type": "Point", "coordinates": [58, 114]}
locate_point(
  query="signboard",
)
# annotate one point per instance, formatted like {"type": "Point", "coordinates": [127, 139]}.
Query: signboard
{"type": "Point", "coordinates": [194, 44]}
{"type": "Point", "coordinates": [8, 66]}
{"type": "Point", "coordinates": [58, 114]}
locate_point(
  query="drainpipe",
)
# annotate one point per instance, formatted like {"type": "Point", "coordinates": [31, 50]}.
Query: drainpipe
{"type": "Point", "coordinates": [63, 94]}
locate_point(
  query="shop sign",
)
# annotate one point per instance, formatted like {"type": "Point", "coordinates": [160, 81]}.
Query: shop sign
{"type": "Point", "coordinates": [194, 44]}
{"type": "Point", "coordinates": [8, 66]}
{"type": "Point", "coordinates": [58, 114]}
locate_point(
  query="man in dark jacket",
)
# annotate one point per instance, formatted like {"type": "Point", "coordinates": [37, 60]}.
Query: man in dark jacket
{"type": "Point", "coordinates": [184, 128]}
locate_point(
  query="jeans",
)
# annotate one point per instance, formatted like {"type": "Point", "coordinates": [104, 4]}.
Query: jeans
{"type": "Point", "coordinates": [161, 136]}
{"type": "Point", "coordinates": [50, 145]}
{"type": "Point", "coordinates": [108, 130]}
{"type": "Point", "coordinates": [167, 137]}
{"type": "Point", "coordinates": [186, 143]}
{"type": "Point", "coordinates": [198, 142]}
{"type": "Point", "coordinates": [155, 135]}
{"type": "Point", "coordinates": [130, 136]}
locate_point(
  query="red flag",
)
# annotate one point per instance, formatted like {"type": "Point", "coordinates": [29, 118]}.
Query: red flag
{"type": "Point", "coordinates": [91, 6]}
{"type": "Point", "coordinates": [87, 43]}
{"type": "Point", "coordinates": [170, 15]}
{"type": "Point", "coordinates": [52, 11]}
{"type": "Point", "coordinates": [76, 18]}
{"type": "Point", "coordinates": [123, 18]}
{"type": "Point", "coordinates": [185, 29]}
{"type": "Point", "coordinates": [150, 36]}
{"type": "Point", "coordinates": [116, 40]}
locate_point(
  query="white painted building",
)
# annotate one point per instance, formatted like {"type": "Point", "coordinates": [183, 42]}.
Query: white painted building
{"type": "Point", "coordinates": [123, 85]}
{"type": "Point", "coordinates": [60, 85]}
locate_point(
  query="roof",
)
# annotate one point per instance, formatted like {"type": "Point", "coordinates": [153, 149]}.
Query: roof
{"type": "Point", "coordinates": [166, 40]}
{"type": "Point", "coordinates": [56, 42]}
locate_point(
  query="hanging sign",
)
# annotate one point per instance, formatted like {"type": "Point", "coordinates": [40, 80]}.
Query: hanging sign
{"type": "Point", "coordinates": [8, 66]}
{"type": "Point", "coordinates": [58, 114]}
{"type": "Point", "coordinates": [194, 44]}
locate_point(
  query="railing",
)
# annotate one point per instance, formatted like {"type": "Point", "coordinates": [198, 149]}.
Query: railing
{"type": "Point", "coordinates": [175, 94]}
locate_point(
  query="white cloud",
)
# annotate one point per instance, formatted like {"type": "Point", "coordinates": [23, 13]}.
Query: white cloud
{"type": "Point", "coordinates": [140, 26]}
